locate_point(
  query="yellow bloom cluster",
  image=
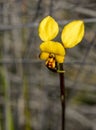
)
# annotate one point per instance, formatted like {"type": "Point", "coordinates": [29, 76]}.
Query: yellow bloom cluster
{"type": "Point", "coordinates": [71, 35]}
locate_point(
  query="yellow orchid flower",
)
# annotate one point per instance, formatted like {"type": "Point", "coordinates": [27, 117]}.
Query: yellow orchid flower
{"type": "Point", "coordinates": [54, 52]}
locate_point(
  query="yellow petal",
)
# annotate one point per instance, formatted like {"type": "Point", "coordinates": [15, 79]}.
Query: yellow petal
{"type": "Point", "coordinates": [72, 33]}
{"type": "Point", "coordinates": [44, 55]}
{"type": "Point", "coordinates": [59, 59]}
{"type": "Point", "coordinates": [52, 47]}
{"type": "Point", "coordinates": [48, 29]}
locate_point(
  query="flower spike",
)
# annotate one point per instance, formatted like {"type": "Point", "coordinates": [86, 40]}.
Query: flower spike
{"type": "Point", "coordinates": [72, 33]}
{"type": "Point", "coordinates": [48, 29]}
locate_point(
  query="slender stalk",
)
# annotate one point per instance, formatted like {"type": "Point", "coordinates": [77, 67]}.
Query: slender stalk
{"type": "Point", "coordinates": [62, 97]}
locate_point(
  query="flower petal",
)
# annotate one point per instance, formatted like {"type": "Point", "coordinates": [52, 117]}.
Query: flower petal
{"type": "Point", "coordinates": [60, 59]}
{"type": "Point", "coordinates": [72, 33]}
{"type": "Point", "coordinates": [48, 29]}
{"type": "Point", "coordinates": [52, 47]}
{"type": "Point", "coordinates": [44, 55]}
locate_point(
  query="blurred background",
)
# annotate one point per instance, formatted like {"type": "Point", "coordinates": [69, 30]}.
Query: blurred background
{"type": "Point", "coordinates": [29, 92]}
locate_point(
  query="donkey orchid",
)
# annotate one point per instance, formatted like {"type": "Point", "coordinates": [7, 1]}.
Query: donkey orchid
{"type": "Point", "coordinates": [54, 52]}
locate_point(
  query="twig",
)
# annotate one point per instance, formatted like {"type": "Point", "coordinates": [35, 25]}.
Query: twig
{"type": "Point", "coordinates": [35, 24]}
{"type": "Point", "coordinates": [37, 10]}
{"type": "Point", "coordinates": [75, 8]}
{"type": "Point", "coordinates": [51, 8]}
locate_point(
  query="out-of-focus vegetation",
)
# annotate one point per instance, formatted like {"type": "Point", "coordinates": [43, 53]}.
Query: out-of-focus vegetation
{"type": "Point", "coordinates": [29, 92]}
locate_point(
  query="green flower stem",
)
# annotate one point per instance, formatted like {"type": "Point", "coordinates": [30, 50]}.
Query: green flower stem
{"type": "Point", "coordinates": [62, 97]}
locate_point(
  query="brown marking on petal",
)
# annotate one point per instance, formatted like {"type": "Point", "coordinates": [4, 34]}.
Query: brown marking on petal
{"type": "Point", "coordinates": [51, 62]}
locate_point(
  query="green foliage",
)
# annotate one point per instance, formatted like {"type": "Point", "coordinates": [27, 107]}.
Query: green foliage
{"type": "Point", "coordinates": [26, 98]}
{"type": "Point", "coordinates": [2, 80]}
{"type": "Point", "coordinates": [86, 97]}
{"type": "Point", "coordinates": [5, 89]}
